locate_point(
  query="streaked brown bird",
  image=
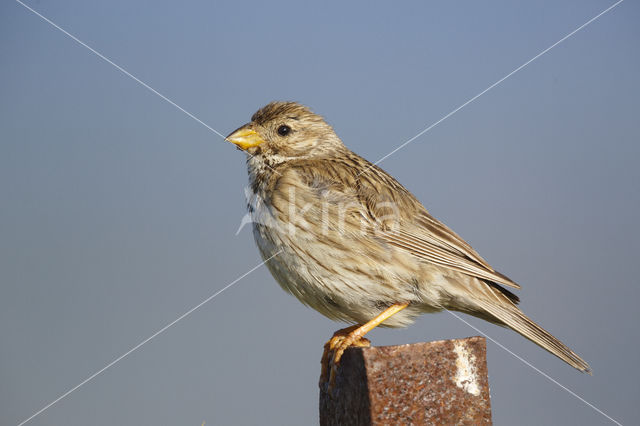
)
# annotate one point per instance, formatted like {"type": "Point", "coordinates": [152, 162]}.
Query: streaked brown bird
{"type": "Point", "coordinates": [348, 240]}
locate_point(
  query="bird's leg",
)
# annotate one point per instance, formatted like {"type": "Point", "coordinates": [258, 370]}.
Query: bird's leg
{"type": "Point", "coordinates": [354, 336]}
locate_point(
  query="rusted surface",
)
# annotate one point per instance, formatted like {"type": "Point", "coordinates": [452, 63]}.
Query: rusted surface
{"type": "Point", "coordinates": [443, 382]}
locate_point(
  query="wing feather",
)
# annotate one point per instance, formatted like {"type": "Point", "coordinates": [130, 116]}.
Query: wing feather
{"type": "Point", "coordinates": [396, 215]}
{"type": "Point", "coordinates": [433, 251]}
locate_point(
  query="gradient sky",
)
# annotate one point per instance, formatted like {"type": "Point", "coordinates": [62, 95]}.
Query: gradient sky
{"type": "Point", "coordinates": [119, 212]}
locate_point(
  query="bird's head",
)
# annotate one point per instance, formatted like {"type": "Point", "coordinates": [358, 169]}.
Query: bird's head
{"type": "Point", "coordinates": [286, 130]}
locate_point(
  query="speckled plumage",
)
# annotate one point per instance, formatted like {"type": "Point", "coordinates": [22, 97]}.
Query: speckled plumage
{"type": "Point", "coordinates": [352, 240]}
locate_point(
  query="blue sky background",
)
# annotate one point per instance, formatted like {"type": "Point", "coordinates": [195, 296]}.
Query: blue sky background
{"type": "Point", "coordinates": [119, 212]}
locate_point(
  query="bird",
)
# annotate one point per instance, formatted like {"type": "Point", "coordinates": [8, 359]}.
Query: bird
{"type": "Point", "coordinates": [348, 240]}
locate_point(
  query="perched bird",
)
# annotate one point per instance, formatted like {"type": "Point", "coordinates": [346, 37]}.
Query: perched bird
{"type": "Point", "coordinates": [348, 240]}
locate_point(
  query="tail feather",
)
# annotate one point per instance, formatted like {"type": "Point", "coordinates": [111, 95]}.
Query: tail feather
{"type": "Point", "coordinates": [509, 314]}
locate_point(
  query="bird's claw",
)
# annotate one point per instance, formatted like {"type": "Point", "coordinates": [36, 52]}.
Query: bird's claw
{"type": "Point", "coordinates": [334, 349]}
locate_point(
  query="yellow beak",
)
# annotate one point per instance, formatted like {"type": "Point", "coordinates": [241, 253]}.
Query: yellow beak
{"type": "Point", "coordinates": [245, 138]}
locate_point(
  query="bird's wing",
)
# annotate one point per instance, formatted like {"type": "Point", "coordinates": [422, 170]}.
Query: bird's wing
{"type": "Point", "coordinates": [419, 233]}
{"type": "Point", "coordinates": [396, 216]}
{"type": "Point", "coordinates": [431, 240]}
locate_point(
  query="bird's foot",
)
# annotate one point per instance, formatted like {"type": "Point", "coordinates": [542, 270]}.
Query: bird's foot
{"type": "Point", "coordinates": [352, 336]}
{"type": "Point", "coordinates": [335, 347]}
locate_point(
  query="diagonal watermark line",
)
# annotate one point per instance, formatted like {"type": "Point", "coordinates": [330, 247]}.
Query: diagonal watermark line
{"type": "Point", "coordinates": [425, 130]}
{"type": "Point", "coordinates": [119, 68]}
{"type": "Point", "coordinates": [136, 347]}
{"type": "Point", "coordinates": [127, 73]}
{"type": "Point", "coordinates": [535, 368]}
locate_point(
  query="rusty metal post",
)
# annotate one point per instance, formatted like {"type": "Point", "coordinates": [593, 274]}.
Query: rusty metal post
{"type": "Point", "coordinates": [443, 382]}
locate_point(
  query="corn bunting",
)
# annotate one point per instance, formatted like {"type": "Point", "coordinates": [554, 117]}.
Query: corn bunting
{"type": "Point", "coordinates": [351, 242]}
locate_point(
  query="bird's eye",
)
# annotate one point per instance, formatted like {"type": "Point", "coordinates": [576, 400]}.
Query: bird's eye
{"type": "Point", "coordinates": [284, 130]}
